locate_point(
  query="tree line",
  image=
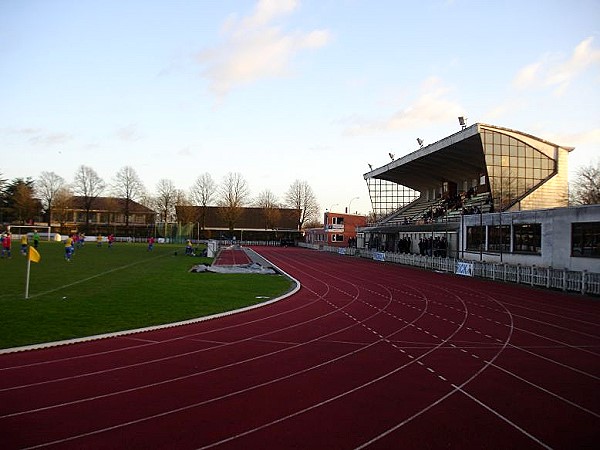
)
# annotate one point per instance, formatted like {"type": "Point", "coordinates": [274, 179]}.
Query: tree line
{"type": "Point", "coordinates": [49, 195]}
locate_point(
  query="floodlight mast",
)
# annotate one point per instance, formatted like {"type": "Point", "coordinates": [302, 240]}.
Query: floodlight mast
{"type": "Point", "coordinates": [463, 122]}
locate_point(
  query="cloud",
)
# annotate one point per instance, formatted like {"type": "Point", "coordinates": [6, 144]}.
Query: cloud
{"type": "Point", "coordinates": [39, 136]}
{"type": "Point", "coordinates": [431, 107]}
{"type": "Point", "coordinates": [254, 47]}
{"type": "Point", "coordinates": [268, 10]}
{"type": "Point", "coordinates": [185, 151]}
{"type": "Point", "coordinates": [558, 72]}
{"type": "Point", "coordinates": [527, 75]}
{"type": "Point", "coordinates": [585, 138]}
{"type": "Point", "coordinates": [128, 133]}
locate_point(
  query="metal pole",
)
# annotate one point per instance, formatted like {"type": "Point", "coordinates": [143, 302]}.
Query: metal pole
{"type": "Point", "coordinates": [501, 236]}
{"type": "Point", "coordinates": [446, 235]}
{"type": "Point", "coordinates": [431, 244]}
{"type": "Point", "coordinates": [462, 235]}
{"type": "Point", "coordinates": [481, 235]}
{"type": "Point", "coordinates": [27, 278]}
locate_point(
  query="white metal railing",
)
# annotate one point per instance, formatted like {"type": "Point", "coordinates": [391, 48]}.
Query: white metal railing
{"type": "Point", "coordinates": [583, 282]}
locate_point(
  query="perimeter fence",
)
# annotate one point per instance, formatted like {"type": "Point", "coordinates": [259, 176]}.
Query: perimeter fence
{"type": "Point", "coordinates": [582, 282]}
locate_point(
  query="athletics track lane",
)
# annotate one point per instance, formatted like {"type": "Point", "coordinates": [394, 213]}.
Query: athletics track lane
{"type": "Point", "coordinates": [364, 355]}
{"type": "Point", "coordinates": [231, 256]}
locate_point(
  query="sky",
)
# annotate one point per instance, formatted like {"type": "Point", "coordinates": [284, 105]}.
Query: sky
{"type": "Point", "coordinates": [285, 90]}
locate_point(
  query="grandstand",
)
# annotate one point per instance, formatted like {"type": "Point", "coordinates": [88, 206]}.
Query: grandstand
{"type": "Point", "coordinates": [471, 191]}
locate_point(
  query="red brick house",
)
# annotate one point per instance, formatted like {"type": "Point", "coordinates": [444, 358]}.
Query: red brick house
{"type": "Point", "coordinates": [339, 230]}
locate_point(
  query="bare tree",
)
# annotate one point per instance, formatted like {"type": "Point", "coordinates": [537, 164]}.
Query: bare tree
{"type": "Point", "coordinates": [186, 213]}
{"type": "Point", "coordinates": [166, 199]}
{"type": "Point", "coordinates": [62, 204]}
{"type": "Point", "coordinates": [300, 196]}
{"type": "Point", "coordinates": [128, 186]}
{"type": "Point", "coordinates": [268, 203]}
{"type": "Point", "coordinates": [202, 193]}
{"type": "Point", "coordinates": [46, 187]}
{"type": "Point", "coordinates": [88, 185]}
{"type": "Point", "coordinates": [585, 189]}
{"type": "Point", "coordinates": [233, 195]}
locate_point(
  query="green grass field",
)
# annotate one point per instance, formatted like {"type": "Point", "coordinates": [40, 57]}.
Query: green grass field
{"type": "Point", "coordinates": [104, 290]}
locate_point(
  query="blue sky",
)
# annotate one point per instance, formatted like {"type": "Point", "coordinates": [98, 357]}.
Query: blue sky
{"type": "Point", "coordinates": [282, 90]}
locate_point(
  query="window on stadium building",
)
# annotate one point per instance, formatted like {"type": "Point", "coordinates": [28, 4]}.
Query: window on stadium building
{"type": "Point", "coordinates": [514, 168]}
{"type": "Point", "coordinates": [585, 239]}
{"type": "Point", "coordinates": [527, 238]}
{"type": "Point", "coordinates": [476, 238]}
{"type": "Point", "coordinates": [499, 238]}
{"type": "Point", "coordinates": [387, 197]}
{"type": "Point", "coordinates": [337, 238]}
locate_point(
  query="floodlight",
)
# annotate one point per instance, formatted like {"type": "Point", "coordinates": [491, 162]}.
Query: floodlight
{"type": "Point", "coordinates": [420, 142]}
{"type": "Point", "coordinates": [463, 122]}
{"type": "Point", "coordinates": [391, 156]}
{"type": "Point", "coordinates": [370, 166]}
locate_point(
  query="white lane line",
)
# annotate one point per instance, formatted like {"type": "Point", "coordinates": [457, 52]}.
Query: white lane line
{"type": "Point", "coordinates": [502, 417]}
{"type": "Point", "coordinates": [546, 391]}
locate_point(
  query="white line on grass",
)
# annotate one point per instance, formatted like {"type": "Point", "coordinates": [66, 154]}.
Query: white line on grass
{"type": "Point", "coordinates": [93, 276]}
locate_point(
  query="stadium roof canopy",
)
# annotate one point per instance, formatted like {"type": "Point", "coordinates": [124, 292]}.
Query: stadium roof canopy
{"type": "Point", "coordinates": [512, 169]}
{"type": "Point", "coordinates": [447, 159]}
{"type": "Point", "coordinates": [451, 158]}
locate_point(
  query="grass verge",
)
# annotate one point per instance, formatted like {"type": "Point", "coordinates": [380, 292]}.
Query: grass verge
{"type": "Point", "coordinates": [106, 290]}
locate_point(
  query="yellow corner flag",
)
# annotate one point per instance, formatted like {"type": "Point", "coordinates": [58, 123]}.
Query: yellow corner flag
{"type": "Point", "coordinates": [34, 255]}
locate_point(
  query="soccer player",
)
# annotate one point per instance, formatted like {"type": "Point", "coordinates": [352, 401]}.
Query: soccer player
{"type": "Point", "coordinates": [69, 248]}
{"type": "Point", "coordinates": [6, 244]}
{"type": "Point", "coordinates": [150, 243]}
{"type": "Point", "coordinates": [111, 239]}
{"type": "Point", "coordinates": [24, 244]}
{"type": "Point", "coordinates": [99, 241]}
{"type": "Point", "coordinates": [36, 239]}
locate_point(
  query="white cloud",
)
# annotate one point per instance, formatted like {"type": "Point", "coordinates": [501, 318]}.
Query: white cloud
{"type": "Point", "coordinates": [431, 107]}
{"type": "Point", "coordinates": [128, 133]}
{"type": "Point", "coordinates": [527, 75]}
{"type": "Point", "coordinates": [267, 10]}
{"type": "Point", "coordinates": [557, 72]}
{"type": "Point", "coordinates": [185, 151]}
{"type": "Point", "coordinates": [39, 136]}
{"type": "Point", "coordinates": [254, 48]}
{"type": "Point", "coordinates": [585, 138]}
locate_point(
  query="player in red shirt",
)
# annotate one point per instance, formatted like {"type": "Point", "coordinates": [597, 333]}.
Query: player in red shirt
{"type": "Point", "coordinates": [6, 245]}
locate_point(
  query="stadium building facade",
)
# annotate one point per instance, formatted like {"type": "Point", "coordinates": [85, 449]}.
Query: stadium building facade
{"type": "Point", "coordinates": [485, 193]}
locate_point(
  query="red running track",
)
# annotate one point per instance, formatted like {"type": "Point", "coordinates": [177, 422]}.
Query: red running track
{"type": "Point", "coordinates": [231, 256]}
{"type": "Point", "coordinates": [365, 355]}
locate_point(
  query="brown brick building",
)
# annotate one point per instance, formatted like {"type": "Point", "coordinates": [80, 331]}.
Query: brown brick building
{"type": "Point", "coordinates": [213, 222]}
{"type": "Point", "coordinates": [106, 215]}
